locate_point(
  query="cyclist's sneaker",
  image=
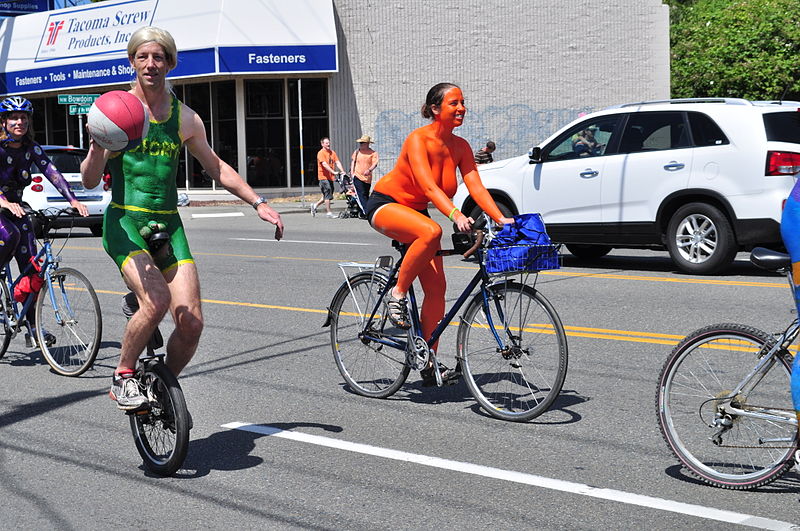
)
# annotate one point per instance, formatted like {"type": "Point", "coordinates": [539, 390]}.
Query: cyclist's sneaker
{"type": "Point", "coordinates": [125, 390]}
{"type": "Point", "coordinates": [451, 376]}
{"type": "Point", "coordinates": [398, 312]}
{"type": "Point", "coordinates": [313, 210]}
{"type": "Point", "coordinates": [32, 341]}
{"type": "Point", "coordinates": [331, 215]}
{"type": "Point", "coordinates": [429, 379]}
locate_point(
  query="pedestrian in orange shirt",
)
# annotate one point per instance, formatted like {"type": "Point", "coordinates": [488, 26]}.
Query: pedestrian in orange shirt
{"type": "Point", "coordinates": [327, 161]}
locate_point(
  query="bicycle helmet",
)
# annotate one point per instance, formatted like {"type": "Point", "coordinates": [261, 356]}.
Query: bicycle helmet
{"type": "Point", "coordinates": [15, 104]}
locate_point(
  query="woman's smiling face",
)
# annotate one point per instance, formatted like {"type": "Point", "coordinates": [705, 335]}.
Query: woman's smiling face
{"type": "Point", "coordinates": [452, 109]}
{"type": "Point", "coordinates": [17, 123]}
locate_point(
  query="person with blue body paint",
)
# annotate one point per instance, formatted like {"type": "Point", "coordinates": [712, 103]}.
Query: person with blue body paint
{"type": "Point", "coordinates": [790, 232]}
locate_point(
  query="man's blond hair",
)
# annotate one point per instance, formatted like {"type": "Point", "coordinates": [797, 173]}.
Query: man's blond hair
{"type": "Point", "coordinates": [148, 34]}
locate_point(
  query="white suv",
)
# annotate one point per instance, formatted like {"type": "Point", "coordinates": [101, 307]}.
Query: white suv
{"type": "Point", "coordinates": [703, 178]}
{"type": "Point", "coordinates": [41, 194]}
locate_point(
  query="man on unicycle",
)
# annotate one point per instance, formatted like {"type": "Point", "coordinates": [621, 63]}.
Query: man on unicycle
{"type": "Point", "coordinates": [144, 189]}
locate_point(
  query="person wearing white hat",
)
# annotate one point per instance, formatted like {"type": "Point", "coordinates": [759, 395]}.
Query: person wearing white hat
{"type": "Point", "coordinates": [363, 162]}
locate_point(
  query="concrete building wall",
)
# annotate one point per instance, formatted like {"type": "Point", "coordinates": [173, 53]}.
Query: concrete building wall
{"type": "Point", "coordinates": [526, 68]}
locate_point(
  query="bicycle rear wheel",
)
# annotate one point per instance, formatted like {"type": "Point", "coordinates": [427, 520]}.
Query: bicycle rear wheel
{"type": "Point", "coordinates": [693, 407]}
{"type": "Point", "coordinates": [161, 433]}
{"type": "Point", "coordinates": [369, 368]}
{"type": "Point", "coordinates": [520, 380]}
{"type": "Point", "coordinates": [6, 315]}
{"type": "Point", "coordinates": [68, 323]}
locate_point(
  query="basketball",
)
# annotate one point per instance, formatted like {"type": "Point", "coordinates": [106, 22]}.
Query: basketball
{"type": "Point", "coordinates": [118, 121]}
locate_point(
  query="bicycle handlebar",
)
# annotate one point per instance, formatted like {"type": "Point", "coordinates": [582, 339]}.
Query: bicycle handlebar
{"type": "Point", "coordinates": [479, 236]}
{"type": "Point", "coordinates": [47, 213]}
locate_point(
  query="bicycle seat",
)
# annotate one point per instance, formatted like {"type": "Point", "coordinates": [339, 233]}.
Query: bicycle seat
{"type": "Point", "coordinates": [155, 234]}
{"type": "Point", "coordinates": [157, 240]}
{"type": "Point", "coordinates": [769, 259]}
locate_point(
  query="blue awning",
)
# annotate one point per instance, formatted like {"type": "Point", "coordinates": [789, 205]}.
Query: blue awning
{"type": "Point", "coordinates": [85, 46]}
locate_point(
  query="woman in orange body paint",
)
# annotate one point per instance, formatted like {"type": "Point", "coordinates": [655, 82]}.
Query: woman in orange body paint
{"type": "Point", "coordinates": [426, 172]}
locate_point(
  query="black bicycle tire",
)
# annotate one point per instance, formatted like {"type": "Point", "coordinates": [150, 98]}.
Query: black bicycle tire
{"type": "Point", "coordinates": [89, 359]}
{"type": "Point", "coordinates": [147, 425]}
{"type": "Point", "coordinates": [6, 305]}
{"type": "Point", "coordinates": [692, 463]}
{"type": "Point", "coordinates": [335, 309]}
{"type": "Point", "coordinates": [471, 375]}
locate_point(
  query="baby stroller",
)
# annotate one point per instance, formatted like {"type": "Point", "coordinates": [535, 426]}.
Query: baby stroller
{"type": "Point", "coordinates": [354, 208]}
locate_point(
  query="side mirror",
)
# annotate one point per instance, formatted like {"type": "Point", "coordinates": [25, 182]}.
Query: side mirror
{"type": "Point", "coordinates": [535, 154]}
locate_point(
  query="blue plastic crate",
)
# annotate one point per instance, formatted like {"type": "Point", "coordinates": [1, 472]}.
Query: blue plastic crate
{"type": "Point", "coordinates": [518, 258]}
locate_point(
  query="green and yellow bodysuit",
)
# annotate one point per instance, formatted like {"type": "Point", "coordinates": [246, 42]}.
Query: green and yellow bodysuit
{"type": "Point", "coordinates": [143, 189]}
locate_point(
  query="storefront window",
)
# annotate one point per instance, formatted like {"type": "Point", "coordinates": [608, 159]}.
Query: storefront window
{"type": "Point", "coordinates": [223, 95]}
{"type": "Point", "coordinates": [57, 124]}
{"type": "Point", "coordinates": [265, 132]}
{"type": "Point", "coordinates": [198, 98]}
{"type": "Point", "coordinates": [315, 126]}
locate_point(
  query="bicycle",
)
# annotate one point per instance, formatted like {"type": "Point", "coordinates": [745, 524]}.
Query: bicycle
{"type": "Point", "coordinates": [161, 428]}
{"type": "Point", "coordinates": [723, 401]}
{"type": "Point", "coordinates": [511, 344]}
{"type": "Point", "coordinates": [69, 324]}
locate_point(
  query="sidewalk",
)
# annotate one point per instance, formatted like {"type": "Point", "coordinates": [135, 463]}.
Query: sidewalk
{"type": "Point", "coordinates": [283, 200]}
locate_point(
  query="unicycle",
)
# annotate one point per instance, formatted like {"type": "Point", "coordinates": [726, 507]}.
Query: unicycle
{"type": "Point", "coordinates": [161, 427]}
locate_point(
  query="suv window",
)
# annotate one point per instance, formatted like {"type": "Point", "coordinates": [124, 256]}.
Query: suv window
{"type": "Point", "coordinates": [588, 139]}
{"type": "Point", "coordinates": [783, 126]}
{"type": "Point", "coordinates": [654, 131]}
{"type": "Point", "coordinates": [705, 131]}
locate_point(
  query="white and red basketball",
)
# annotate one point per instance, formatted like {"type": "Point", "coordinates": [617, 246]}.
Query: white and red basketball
{"type": "Point", "coordinates": [118, 121]}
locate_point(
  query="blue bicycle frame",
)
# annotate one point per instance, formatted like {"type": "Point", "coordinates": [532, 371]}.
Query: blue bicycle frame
{"type": "Point", "coordinates": [481, 277]}
{"type": "Point", "coordinates": [49, 264]}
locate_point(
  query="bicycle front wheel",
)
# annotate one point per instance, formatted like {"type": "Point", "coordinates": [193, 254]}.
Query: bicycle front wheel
{"type": "Point", "coordinates": [514, 356]}
{"type": "Point", "coordinates": [696, 413]}
{"type": "Point", "coordinates": [161, 433]}
{"type": "Point", "coordinates": [369, 368]}
{"type": "Point", "coordinates": [68, 322]}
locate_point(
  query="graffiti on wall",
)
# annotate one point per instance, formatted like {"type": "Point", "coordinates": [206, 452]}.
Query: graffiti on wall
{"type": "Point", "coordinates": [514, 128]}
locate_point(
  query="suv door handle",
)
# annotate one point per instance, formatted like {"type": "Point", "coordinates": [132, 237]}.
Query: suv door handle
{"type": "Point", "coordinates": [674, 166]}
{"type": "Point", "coordinates": [588, 172]}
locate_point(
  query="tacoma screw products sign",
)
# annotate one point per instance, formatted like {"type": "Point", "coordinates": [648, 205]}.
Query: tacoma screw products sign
{"type": "Point", "coordinates": [94, 30]}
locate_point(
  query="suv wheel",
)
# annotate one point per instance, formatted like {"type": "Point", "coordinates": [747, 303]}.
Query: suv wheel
{"type": "Point", "coordinates": [588, 252]}
{"type": "Point", "coordinates": [97, 230]}
{"type": "Point", "coordinates": [700, 239]}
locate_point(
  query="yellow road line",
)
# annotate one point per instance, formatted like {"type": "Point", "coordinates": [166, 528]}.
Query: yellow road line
{"type": "Point", "coordinates": [572, 331]}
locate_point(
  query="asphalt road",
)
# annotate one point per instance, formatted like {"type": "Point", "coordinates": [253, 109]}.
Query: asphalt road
{"type": "Point", "coordinates": [279, 443]}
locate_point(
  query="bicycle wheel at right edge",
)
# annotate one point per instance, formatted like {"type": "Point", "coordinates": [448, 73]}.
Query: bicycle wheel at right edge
{"type": "Point", "coordinates": [161, 433]}
{"type": "Point", "coordinates": [68, 322]}
{"type": "Point", "coordinates": [705, 367]}
{"type": "Point", "coordinates": [520, 380]}
{"type": "Point", "coordinates": [369, 368]}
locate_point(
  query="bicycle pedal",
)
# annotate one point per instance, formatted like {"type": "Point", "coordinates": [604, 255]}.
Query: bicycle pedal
{"type": "Point", "coordinates": [144, 409]}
